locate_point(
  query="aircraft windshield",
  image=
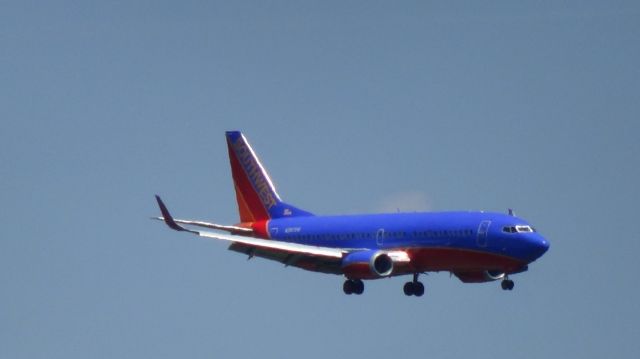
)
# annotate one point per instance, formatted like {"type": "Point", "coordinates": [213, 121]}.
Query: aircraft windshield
{"type": "Point", "coordinates": [518, 229]}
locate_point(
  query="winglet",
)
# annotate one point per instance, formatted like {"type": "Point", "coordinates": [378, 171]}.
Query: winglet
{"type": "Point", "coordinates": [168, 219]}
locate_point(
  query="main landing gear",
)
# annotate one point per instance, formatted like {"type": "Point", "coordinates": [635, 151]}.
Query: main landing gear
{"type": "Point", "coordinates": [414, 288]}
{"type": "Point", "coordinates": [507, 284]}
{"type": "Point", "coordinates": [353, 286]}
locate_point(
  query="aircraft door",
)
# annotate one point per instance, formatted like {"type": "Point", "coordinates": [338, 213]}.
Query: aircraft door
{"type": "Point", "coordinates": [380, 237]}
{"type": "Point", "coordinates": [483, 231]}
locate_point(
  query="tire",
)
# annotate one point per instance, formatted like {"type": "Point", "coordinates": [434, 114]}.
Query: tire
{"type": "Point", "coordinates": [347, 287]}
{"type": "Point", "coordinates": [408, 289]}
{"type": "Point", "coordinates": [358, 287]}
{"type": "Point", "coordinates": [418, 289]}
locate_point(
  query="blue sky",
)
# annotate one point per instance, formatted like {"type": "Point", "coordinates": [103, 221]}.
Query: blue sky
{"type": "Point", "coordinates": [352, 107]}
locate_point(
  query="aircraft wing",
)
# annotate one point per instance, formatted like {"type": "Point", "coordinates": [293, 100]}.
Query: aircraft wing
{"type": "Point", "coordinates": [231, 229]}
{"type": "Point", "coordinates": [304, 256]}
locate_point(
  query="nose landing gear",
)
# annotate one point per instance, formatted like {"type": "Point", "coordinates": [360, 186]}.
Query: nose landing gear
{"type": "Point", "coordinates": [414, 287]}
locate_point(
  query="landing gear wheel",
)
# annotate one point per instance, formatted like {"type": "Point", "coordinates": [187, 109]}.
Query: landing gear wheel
{"type": "Point", "coordinates": [353, 286]}
{"type": "Point", "coordinates": [414, 287]}
{"type": "Point", "coordinates": [507, 284]}
{"type": "Point", "coordinates": [347, 287]}
{"type": "Point", "coordinates": [358, 286]}
{"type": "Point", "coordinates": [408, 289]}
{"type": "Point", "coordinates": [418, 289]}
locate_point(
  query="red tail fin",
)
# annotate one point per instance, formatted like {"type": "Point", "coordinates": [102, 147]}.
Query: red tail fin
{"type": "Point", "coordinates": [256, 195]}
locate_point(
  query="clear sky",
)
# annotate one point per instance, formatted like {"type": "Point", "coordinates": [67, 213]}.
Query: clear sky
{"type": "Point", "coordinates": [352, 107]}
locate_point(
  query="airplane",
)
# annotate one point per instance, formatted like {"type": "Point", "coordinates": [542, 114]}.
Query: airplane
{"type": "Point", "coordinates": [474, 246]}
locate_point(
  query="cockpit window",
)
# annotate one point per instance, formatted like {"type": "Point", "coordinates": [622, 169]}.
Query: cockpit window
{"type": "Point", "coordinates": [518, 229]}
{"type": "Point", "coordinates": [521, 229]}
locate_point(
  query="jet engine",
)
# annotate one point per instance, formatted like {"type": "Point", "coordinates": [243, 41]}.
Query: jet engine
{"type": "Point", "coordinates": [367, 264]}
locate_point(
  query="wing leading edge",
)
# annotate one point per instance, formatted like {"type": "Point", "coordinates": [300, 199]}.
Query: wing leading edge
{"type": "Point", "coordinates": [220, 227]}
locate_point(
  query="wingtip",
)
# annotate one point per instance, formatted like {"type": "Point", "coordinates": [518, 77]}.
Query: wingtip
{"type": "Point", "coordinates": [166, 216]}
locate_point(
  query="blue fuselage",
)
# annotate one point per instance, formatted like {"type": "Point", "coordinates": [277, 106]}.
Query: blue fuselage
{"type": "Point", "coordinates": [442, 233]}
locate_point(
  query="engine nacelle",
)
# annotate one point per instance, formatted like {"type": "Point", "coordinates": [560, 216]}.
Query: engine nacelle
{"type": "Point", "coordinates": [367, 265]}
{"type": "Point", "coordinates": [480, 276]}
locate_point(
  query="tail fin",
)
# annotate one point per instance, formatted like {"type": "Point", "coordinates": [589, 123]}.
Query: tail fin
{"type": "Point", "coordinates": [256, 195]}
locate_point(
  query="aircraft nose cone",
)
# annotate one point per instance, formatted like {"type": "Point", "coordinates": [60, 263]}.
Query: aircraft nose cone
{"type": "Point", "coordinates": [540, 246]}
{"type": "Point", "coordinates": [545, 245]}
